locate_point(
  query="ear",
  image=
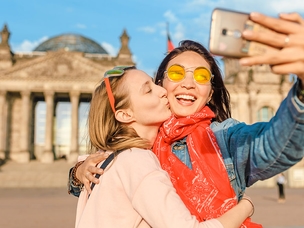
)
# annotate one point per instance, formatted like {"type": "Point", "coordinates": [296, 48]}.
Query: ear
{"type": "Point", "coordinates": [210, 96]}
{"type": "Point", "coordinates": [124, 115]}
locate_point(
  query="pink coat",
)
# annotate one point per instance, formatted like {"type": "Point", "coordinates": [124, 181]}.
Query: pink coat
{"type": "Point", "coordinates": [134, 192]}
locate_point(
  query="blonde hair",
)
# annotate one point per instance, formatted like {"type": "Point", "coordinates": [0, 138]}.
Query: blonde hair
{"type": "Point", "coordinates": [105, 132]}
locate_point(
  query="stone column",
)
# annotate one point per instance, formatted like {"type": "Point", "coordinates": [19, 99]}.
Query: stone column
{"type": "Point", "coordinates": [285, 87]}
{"type": "Point", "coordinates": [48, 154]}
{"type": "Point", "coordinates": [74, 147]}
{"type": "Point", "coordinates": [243, 107]}
{"type": "Point", "coordinates": [2, 124]}
{"type": "Point", "coordinates": [24, 155]}
{"type": "Point", "coordinates": [252, 111]}
{"type": "Point", "coordinates": [234, 105]}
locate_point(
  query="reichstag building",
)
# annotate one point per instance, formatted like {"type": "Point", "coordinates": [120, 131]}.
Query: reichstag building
{"type": "Point", "coordinates": [56, 79]}
{"type": "Point", "coordinates": [45, 94]}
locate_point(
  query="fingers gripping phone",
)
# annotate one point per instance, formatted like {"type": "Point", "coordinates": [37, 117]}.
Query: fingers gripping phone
{"type": "Point", "coordinates": [226, 34]}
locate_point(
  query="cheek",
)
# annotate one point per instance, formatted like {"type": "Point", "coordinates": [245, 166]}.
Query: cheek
{"type": "Point", "coordinates": [169, 86]}
{"type": "Point", "coordinates": [151, 104]}
{"type": "Point", "coordinates": [205, 91]}
{"type": "Point", "coordinates": [170, 91]}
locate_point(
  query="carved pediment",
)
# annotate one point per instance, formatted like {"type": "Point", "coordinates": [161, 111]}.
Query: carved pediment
{"type": "Point", "coordinates": [57, 66]}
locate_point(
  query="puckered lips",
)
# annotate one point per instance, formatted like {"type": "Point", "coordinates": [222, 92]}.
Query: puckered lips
{"type": "Point", "coordinates": [168, 105]}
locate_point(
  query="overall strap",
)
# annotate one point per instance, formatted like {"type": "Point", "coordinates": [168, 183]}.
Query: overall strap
{"type": "Point", "coordinates": [105, 164]}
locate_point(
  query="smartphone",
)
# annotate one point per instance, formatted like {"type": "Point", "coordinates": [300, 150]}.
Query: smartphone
{"type": "Point", "coordinates": [225, 37]}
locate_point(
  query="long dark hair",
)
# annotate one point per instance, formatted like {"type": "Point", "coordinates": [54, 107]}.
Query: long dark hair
{"type": "Point", "coordinates": [220, 101]}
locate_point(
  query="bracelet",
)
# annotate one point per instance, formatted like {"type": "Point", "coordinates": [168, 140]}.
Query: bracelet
{"type": "Point", "coordinates": [250, 201]}
{"type": "Point", "coordinates": [75, 180]}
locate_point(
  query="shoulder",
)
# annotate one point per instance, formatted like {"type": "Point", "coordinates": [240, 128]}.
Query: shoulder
{"type": "Point", "coordinates": [136, 166]}
{"type": "Point", "coordinates": [217, 126]}
{"type": "Point", "coordinates": [137, 160]}
{"type": "Point", "coordinates": [137, 154]}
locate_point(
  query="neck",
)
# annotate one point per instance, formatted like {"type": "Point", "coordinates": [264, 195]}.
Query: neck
{"type": "Point", "coordinates": [146, 132]}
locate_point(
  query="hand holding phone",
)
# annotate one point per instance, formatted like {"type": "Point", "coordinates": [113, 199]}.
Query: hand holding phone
{"type": "Point", "coordinates": [287, 35]}
{"type": "Point", "coordinates": [226, 35]}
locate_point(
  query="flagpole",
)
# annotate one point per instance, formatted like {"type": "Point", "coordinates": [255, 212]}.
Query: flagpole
{"type": "Point", "coordinates": [170, 45]}
{"type": "Point", "coordinates": [167, 27]}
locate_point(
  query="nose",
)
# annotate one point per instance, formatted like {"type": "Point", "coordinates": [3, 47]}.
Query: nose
{"type": "Point", "coordinates": [188, 82]}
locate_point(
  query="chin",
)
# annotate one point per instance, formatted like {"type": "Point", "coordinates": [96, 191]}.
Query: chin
{"type": "Point", "coordinates": [184, 112]}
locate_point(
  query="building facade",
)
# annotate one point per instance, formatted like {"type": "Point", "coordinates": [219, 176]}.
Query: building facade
{"type": "Point", "coordinates": [67, 68]}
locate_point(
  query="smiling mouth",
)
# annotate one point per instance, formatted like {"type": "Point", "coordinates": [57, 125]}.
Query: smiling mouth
{"type": "Point", "coordinates": [184, 97]}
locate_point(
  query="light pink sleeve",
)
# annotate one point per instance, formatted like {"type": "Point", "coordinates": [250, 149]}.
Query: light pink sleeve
{"type": "Point", "coordinates": [154, 197]}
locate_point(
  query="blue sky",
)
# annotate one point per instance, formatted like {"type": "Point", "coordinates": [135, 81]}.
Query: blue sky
{"type": "Point", "coordinates": [33, 21]}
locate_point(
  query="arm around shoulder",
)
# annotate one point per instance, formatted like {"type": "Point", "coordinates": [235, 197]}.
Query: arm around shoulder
{"type": "Point", "coordinates": [156, 200]}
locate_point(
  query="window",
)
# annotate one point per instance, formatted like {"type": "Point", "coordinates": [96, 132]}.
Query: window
{"type": "Point", "coordinates": [265, 114]}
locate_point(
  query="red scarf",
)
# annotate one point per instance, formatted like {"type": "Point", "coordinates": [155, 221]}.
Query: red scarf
{"type": "Point", "coordinates": [206, 189]}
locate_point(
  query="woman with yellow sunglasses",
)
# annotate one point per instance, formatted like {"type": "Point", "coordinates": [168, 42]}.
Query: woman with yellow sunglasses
{"type": "Point", "coordinates": [210, 157]}
{"type": "Point", "coordinates": [125, 114]}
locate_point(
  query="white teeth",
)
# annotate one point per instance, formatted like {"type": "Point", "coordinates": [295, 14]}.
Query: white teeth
{"type": "Point", "coordinates": [187, 97]}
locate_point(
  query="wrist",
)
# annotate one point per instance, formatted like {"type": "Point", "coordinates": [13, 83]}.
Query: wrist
{"type": "Point", "coordinates": [75, 180]}
{"type": "Point", "coordinates": [252, 205]}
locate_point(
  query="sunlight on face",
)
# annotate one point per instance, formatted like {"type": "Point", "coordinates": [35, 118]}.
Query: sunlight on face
{"type": "Point", "coordinates": [148, 101]}
{"type": "Point", "coordinates": [187, 97]}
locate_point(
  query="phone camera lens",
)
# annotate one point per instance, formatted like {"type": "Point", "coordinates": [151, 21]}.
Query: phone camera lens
{"type": "Point", "coordinates": [237, 34]}
{"type": "Point", "coordinates": [224, 32]}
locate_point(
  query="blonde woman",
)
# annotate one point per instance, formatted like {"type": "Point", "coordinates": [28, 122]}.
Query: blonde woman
{"type": "Point", "coordinates": [134, 191]}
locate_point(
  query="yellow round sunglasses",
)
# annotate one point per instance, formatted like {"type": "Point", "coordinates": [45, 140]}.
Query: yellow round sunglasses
{"type": "Point", "coordinates": [177, 73]}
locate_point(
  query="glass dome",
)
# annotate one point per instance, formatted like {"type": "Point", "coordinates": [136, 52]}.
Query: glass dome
{"type": "Point", "coordinates": [71, 42]}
